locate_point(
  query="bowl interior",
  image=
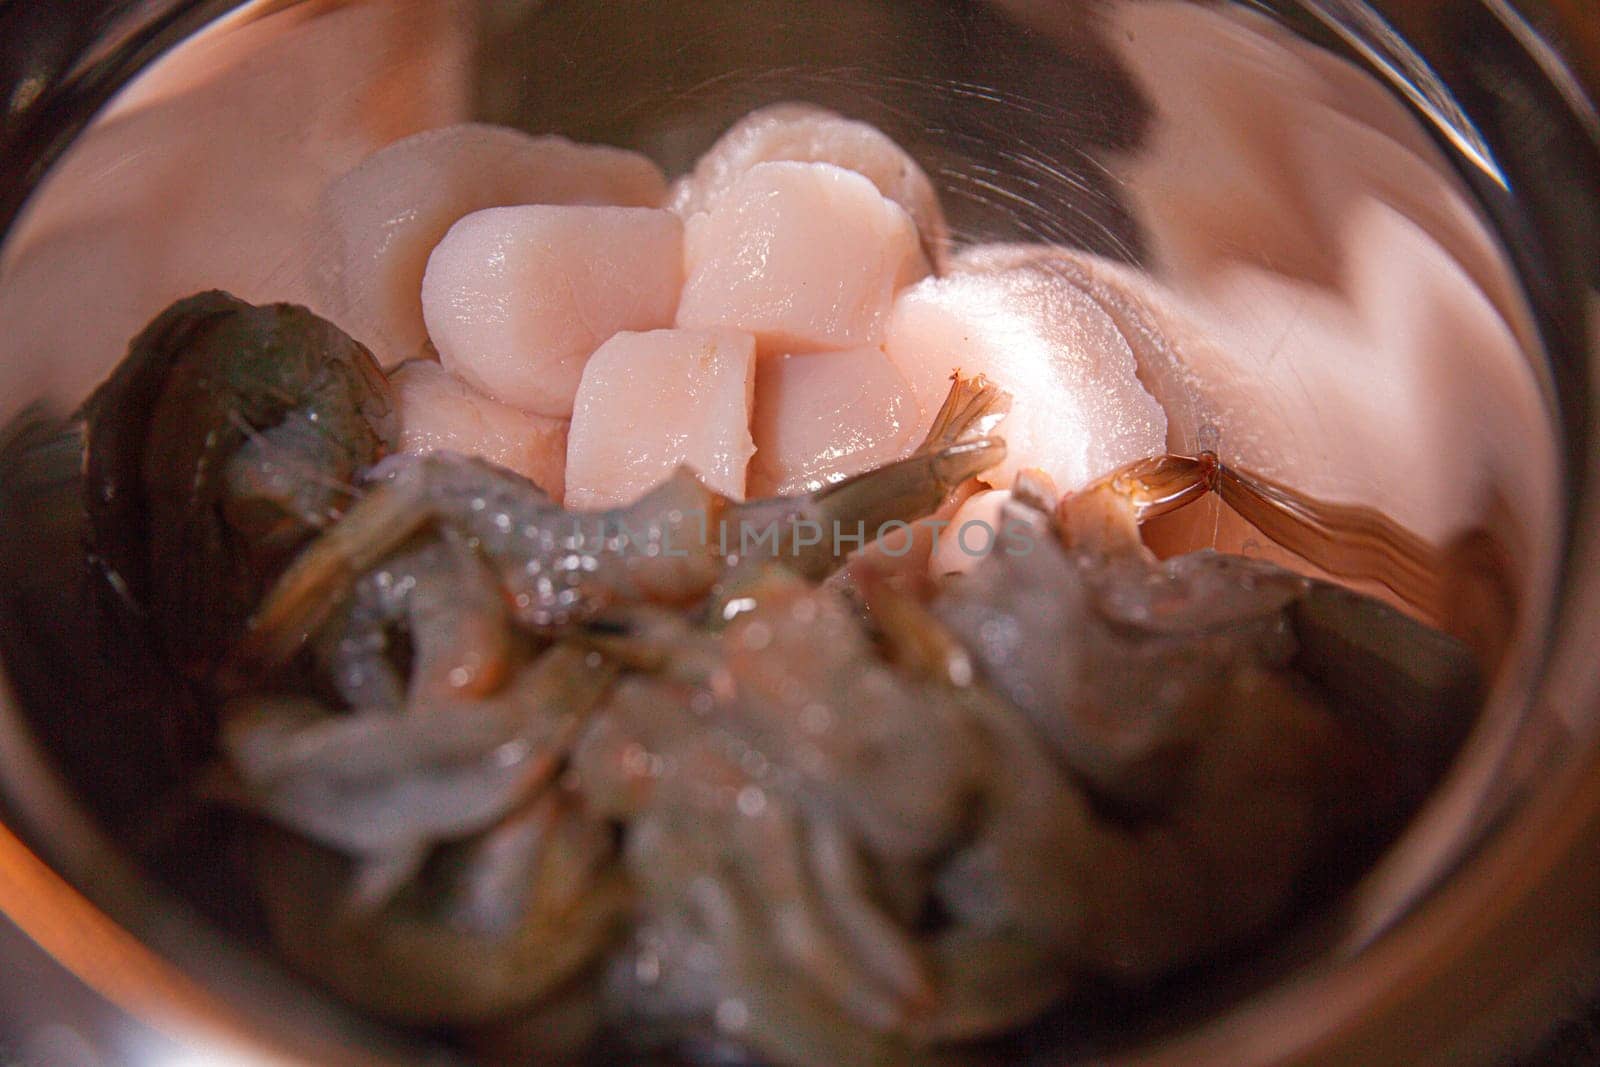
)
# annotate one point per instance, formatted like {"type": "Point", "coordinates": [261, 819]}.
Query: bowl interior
{"type": "Point", "coordinates": [1297, 181]}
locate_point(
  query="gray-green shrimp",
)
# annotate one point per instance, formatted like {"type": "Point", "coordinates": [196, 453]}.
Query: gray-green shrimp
{"type": "Point", "coordinates": [225, 440]}
{"type": "Point", "coordinates": [672, 546]}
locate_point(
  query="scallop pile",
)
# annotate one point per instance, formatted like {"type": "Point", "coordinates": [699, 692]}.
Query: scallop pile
{"type": "Point", "coordinates": [589, 671]}
{"type": "Point", "coordinates": [785, 315]}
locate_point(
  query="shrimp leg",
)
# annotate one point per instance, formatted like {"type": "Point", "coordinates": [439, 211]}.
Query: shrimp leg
{"type": "Point", "coordinates": [1348, 541]}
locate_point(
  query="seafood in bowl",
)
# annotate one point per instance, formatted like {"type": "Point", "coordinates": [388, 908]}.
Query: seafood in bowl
{"type": "Point", "coordinates": [725, 628]}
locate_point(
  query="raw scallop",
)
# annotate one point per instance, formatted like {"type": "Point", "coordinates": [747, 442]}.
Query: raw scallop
{"type": "Point", "coordinates": [806, 256]}
{"type": "Point", "coordinates": [652, 401]}
{"type": "Point", "coordinates": [976, 531]}
{"type": "Point", "coordinates": [1078, 409]}
{"type": "Point", "coordinates": [384, 217]}
{"type": "Point", "coordinates": [516, 298]}
{"type": "Point", "coordinates": [440, 411]}
{"type": "Point", "coordinates": [804, 133]}
{"type": "Point", "coordinates": [1139, 308]}
{"type": "Point", "coordinates": [824, 416]}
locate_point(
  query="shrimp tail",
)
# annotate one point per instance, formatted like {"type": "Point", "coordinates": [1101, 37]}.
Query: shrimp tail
{"type": "Point", "coordinates": [808, 533]}
{"type": "Point", "coordinates": [973, 407]}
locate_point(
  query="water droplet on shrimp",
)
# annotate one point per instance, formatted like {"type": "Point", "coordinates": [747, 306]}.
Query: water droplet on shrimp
{"type": "Point", "coordinates": [811, 761]}
{"type": "Point", "coordinates": [751, 801]}
{"type": "Point", "coordinates": [701, 956]}
{"type": "Point", "coordinates": [732, 1016]}
{"type": "Point", "coordinates": [635, 761]}
{"type": "Point", "coordinates": [512, 753]}
{"type": "Point", "coordinates": [1000, 632]}
{"type": "Point", "coordinates": [757, 636]}
{"type": "Point", "coordinates": [815, 719]}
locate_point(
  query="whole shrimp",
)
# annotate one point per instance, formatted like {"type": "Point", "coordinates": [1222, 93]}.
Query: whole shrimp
{"type": "Point", "coordinates": [489, 927]}
{"type": "Point", "coordinates": [785, 795]}
{"type": "Point", "coordinates": [438, 870]}
{"type": "Point", "coordinates": [228, 437]}
{"type": "Point", "coordinates": [444, 609]}
{"type": "Point", "coordinates": [1108, 649]}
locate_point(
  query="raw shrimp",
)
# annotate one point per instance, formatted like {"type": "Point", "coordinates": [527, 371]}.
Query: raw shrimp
{"type": "Point", "coordinates": [1115, 656]}
{"type": "Point", "coordinates": [228, 436]}
{"type": "Point", "coordinates": [441, 872]}
{"type": "Point", "coordinates": [1054, 885]}
{"type": "Point", "coordinates": [443, 600]}
{"type": "Point", "coordinates": [488, 927]}
{"type": "Point", "coordinates": [1411, 683]}
{"type": "Point", "coordinates": [799, 807]}
{"type": "Point", "coordinates": [785, 791]}
{"type": "Point", "coordinates": [382, 782]}
{"type": "Point", "coordinates": [672, 546]}
{"type": "Point", "coordinates": [1055, 882]}
{"type": "Point", "coordinates": [1116, 665]}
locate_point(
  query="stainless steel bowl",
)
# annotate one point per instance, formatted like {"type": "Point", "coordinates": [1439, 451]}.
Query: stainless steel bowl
{"type": "Point", "coordinates": [149, 150]}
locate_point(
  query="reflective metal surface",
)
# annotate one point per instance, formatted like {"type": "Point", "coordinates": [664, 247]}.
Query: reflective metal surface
{"type": "Point", "coordinates": [1379, 228]}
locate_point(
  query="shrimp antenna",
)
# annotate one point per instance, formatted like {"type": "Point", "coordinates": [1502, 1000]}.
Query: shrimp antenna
{"type": "Point", "coordinates": [1346, 540]}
